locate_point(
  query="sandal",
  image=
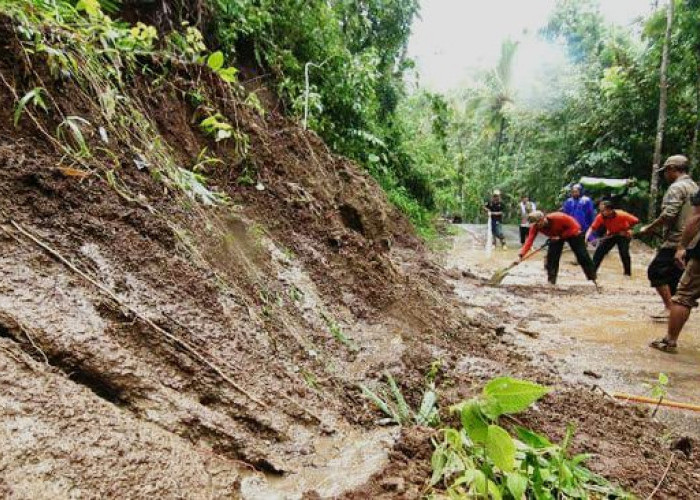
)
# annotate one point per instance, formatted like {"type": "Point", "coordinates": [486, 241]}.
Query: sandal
{"type": "Point", "coordinates": [664, 345]}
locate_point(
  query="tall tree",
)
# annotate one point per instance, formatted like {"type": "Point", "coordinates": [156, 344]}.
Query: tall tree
{"type": "Point", "coordinates": [661, 122]}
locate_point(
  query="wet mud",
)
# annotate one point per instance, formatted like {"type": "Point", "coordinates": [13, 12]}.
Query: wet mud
{"type": "Point", "coordinates": [157, 347]}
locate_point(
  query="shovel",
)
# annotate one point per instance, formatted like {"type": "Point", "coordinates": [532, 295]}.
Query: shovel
{"type": "Point", "coordinates": [500, 275]}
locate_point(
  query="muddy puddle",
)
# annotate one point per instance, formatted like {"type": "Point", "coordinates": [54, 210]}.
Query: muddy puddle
{"type": "Point", "coordinates": [595, 338]}
{"type": "Point", "coordinates": [339, 463]}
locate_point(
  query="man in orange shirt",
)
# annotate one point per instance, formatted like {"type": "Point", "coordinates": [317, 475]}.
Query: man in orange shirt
{"type": "Point", "coordinates": [560, 228]}
{"type": "Point", "coordinates": [618, 225]}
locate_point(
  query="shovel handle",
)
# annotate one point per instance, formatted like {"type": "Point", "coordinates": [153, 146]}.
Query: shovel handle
{"type": "Point", "coordinates": [533, 252]}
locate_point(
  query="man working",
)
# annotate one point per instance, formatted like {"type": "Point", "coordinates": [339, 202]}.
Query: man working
{"type": "Point", "coordinates": [526, 206]}
{"type": "Point", "coordinates": [495, 210]}
{"type": "Point", "coordinates": [686, 297]}
{"type": "Point", "coordinates": [560, 228]}
{"type": "Point", "coordinates": [618, 231]}
{"type": "Point", "coordinates": [579, 207]}
{"type": "Point", "coordinates": [663, 272]}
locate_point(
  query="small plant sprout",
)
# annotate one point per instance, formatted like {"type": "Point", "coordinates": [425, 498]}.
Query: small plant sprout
{"type": "Point", "coordinates": [393, 404]}
{"type": "Point", "coordinates": [658, 391]}
{"type": "Point", "coordinates": [215, 61]}
{"type": "Point", "coordinates": [217, 127]}
{"type": "Point", "coordinates": [33, 97]}
{"type": "Point", "coordinates": [70, 134]}
{"type": "Point", "coordinates": [338, 333]}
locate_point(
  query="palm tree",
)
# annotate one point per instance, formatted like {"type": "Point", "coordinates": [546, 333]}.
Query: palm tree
{"type": "Point", "coordinates": [497, 94]}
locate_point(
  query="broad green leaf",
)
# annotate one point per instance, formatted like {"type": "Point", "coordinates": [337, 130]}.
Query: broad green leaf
{"type": "Point", "coordinates": [473, 422]}
{"type": "Point", "coordinates": [228, 74]}
{"type": "Point", "coordinates": [500, 448]}
{"type": "Point", "coordinates": [531, 438]}
{"type": "Point", "coordinates": [513, 395]}
{"type": "Point", "coordinates": [215, 60]}
{"type": "Point", "coordinates": [663, 379]}
{"type": "Point", "coordinates": [517, 484]}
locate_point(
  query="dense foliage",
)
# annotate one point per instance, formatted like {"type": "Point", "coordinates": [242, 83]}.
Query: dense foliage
{"type": "Point", "coordinates": [354, 53]}
{"type": "Point", "coordinates": [598, 118]}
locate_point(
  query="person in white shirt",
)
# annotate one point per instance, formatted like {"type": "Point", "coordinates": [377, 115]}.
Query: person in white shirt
{"type": "Point", "coordinates": [526, 206]}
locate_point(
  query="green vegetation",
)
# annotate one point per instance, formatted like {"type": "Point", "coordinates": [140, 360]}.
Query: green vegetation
{"type": "Point", "coordinates": [393, 403]}
{"type": "Point", "coordinates": [484, 460]}
{"type": "Point", "coordinates": [597, 116]}
{"type": "Point", "coordinates": [657, 390]}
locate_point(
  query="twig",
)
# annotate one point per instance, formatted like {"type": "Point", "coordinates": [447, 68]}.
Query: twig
{"type": "Point", "coordinates": [668, 467]}
{"type": "Point", "coordinates": [31, 341]}
{"type": "Point", "coordinates": [289, 399]}
{"type": "Point", "coordinates": [192, 350]}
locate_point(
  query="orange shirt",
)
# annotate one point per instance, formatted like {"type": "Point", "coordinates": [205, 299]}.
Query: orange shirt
{"type": "Point", "coordinates": [560, 225]}
{"type": "Point", "coordinates": [619, 223]}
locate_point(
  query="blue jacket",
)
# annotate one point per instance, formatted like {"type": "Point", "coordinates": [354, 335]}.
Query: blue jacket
{"type": "Point", "coordinates": [580, 209]}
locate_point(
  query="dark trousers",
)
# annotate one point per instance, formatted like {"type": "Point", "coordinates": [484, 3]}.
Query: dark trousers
{"type": "Point", "coordinates": [578, 246]}
{"type": "Point", "coordinates": [663, 269]}
{"type": "Point", "coordinates": [497, 231]}
{"type": "Point", "coordinates": [524, 231]}
{"type": "Point", "coordinates": [607, 244]}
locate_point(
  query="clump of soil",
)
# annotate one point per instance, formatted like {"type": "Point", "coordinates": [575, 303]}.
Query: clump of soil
{"type": "Point", "coordinates": [305, 284]}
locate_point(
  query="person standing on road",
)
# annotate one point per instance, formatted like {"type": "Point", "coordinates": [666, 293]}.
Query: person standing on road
{"type": "Point", "coordinates": [663, 271]}
{"type": "Point", "coordinates": [688, 292]}
{"type": "Point", "coordinates": [526, 207]}
{"type": "Point", "coordinates": [580, 207]}
{"type": "Point", "coordinates": [618, 231]}
{"type": "Point", "coordinates": [495, 209]}
{"type": "Point", "coordinates": [560, 228]}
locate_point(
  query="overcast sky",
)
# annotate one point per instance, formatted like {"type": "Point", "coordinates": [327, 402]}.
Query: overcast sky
{"type": "Point", "coordinates": [455, 37]}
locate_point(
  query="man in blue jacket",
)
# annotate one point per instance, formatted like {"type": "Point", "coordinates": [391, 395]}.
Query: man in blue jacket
{"type": "Point", "coordinates": [580, 207]}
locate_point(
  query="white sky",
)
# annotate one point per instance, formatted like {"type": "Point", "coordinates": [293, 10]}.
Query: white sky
{"type": "Point", "coordinates": [455, 37]}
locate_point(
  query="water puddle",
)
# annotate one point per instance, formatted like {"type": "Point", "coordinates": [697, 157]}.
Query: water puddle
{"type": "Point", "coordinates": [339, 463]}
{"type": "Point", "coordinates": [603, 334]}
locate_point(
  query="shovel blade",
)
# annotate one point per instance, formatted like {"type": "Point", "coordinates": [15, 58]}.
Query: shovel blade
{"type": "Point", "coordinates": [499, 276]}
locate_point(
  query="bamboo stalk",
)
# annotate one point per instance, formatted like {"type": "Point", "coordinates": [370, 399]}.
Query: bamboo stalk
{"type": "Point", "coordinates": [643, 399]}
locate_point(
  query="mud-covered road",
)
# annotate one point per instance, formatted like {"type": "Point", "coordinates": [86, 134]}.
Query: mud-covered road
{"type": "Point", "coordinates": [594, 338]}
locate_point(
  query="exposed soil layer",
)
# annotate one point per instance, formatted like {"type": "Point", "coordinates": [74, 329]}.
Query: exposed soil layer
{"type": "Point", "coordinates": [180, 348]}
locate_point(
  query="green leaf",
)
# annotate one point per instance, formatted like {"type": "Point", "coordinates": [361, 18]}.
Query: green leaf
{"type": "Point", "coordinates": [33, 95]}
{"type": "Point", "coordinates": [517, 485]}
{"type": "Point", "coordinates": [228, 74]}
{"type": "Point", "coordinates": [215, 60]}
{"type": "Point", "coordinates": [531, 438]}
{"type": "Point", "coordinates": [663, 379]}
{"type": "Point", "coordinates": [500, 448]}
{"type": "Point", "coordinates": [513, 395]}
{"type": "Point", "coordinates": [437, 463]}
{"type": "Point", "coordinates": [473, 422]}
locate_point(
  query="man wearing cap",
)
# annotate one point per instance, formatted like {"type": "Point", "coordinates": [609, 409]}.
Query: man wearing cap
{"type": "Point", "coordinates": [688, 293]}
{"type": "Point", "coordinates": [663, 272]}
{"type": "Point", "coordinates": [579, 207]}
{"type": "Point", "coordinates": [495, 209]}
{"type": "Point", "coordinates": [560, 228]}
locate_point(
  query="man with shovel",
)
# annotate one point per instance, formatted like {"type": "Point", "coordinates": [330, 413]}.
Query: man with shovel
{"type": "Point", "coordinates": [560, 228]}
{"type": "Point", "coordinates": [618, 231]}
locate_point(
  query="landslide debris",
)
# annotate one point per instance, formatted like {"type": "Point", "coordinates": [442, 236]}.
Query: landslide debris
{"type": "Point", "coordinates": [282, 265]}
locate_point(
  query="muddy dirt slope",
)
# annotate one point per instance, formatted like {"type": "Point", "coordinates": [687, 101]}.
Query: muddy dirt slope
{"type": "Point", "coordinates": [154, 345]}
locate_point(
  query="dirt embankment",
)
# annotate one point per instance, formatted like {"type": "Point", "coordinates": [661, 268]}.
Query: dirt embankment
{"type": "Point", "coordinates": [180, 346]}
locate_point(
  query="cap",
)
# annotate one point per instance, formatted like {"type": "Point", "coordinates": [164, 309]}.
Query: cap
{"type": "Point", "coordinates": [497, 192]}
{"type": "Point", "coordinates": [535, 216]}
{"type": "Point", "coordinates": [674, 161]}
